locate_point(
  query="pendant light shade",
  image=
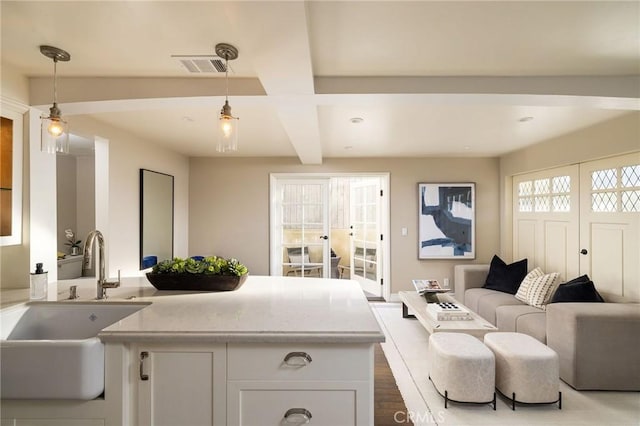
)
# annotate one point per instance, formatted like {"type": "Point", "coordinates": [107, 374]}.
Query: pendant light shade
{"type": "Point", "coordinates": [227, 123]}
{"type": "Point", "coordinates": [54, 129]}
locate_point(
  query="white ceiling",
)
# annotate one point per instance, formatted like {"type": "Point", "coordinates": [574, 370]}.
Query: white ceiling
{"type": "Point", "coordinates": [428, 78]}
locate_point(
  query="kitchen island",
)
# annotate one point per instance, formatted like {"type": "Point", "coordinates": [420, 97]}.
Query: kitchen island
{"type": "Point", "coordinates": [277, 349]}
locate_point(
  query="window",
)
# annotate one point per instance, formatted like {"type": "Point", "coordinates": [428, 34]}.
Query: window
{"type": "Point", "coordinates": [545, 195]}
{"type": "Point", "coordinates": [616, 190]}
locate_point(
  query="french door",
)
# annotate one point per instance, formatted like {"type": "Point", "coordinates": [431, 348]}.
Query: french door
{"type": "Point", "coordinates": [365, 235]}
{"type": "Point", "coordinates": [331, 226]}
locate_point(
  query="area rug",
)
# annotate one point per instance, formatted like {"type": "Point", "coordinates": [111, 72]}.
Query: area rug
{"type": "Point", "coordinates": [389, 407]}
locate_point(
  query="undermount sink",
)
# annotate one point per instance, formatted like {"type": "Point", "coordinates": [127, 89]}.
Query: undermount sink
{"type": "Point", "coordinates": [50, 350]}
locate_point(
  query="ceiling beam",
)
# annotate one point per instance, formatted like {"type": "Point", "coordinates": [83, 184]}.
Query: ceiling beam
{"type": "Point", "coordinates": [276, 38]}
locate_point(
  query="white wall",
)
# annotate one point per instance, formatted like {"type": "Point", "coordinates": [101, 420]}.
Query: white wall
{"type": "Point", "coordinates": [127, 155]}
{"type": "Point", "coordinates": [229, 207]}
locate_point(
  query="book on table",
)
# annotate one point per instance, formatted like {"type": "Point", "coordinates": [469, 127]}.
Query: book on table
{"type": "Point", "coordinates": [428, 286]}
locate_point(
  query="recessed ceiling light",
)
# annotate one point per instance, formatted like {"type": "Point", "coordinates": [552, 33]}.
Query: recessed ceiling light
{"type": "Point", "coordinates": [186, 118]}
{"type": "Point", "coordinates": [356, 120]}
{"type": "Point", "coordinates": [467, 147]}
{"type": "Point", "coordinates": [525, 119]}
{"type": "Point", "coordinates": [348, 147]}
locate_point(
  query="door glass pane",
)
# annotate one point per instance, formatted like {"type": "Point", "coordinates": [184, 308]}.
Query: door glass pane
{"type": "Point", "coordinates": [603, 179]}
{"type": "Point", "coordinates": [303, 224]}
{"type": "Point", "coordinates": [604, 202]}
{"type": "Point", "coordinates": [631, 176]}
{"type": "Point", "coordinates": [631, 201]}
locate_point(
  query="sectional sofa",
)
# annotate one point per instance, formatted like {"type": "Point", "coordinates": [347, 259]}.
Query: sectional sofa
{"type": "Point", "coordinates": [598, 343]}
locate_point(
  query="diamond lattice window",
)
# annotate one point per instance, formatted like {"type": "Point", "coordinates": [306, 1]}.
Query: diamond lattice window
{"type": "Point", "coordinates": [541, 186]}
{"type": "Point", "coordinates": [541, 204]}
{"type": "Point", "coordinates": [561, 203]}
{"type": "Point", "coordinates": [616, 190]}
{"type": "Point", "coordinates": [525, 188]}
{"type": "Point", "coordinates": [525, 205]}
{"type": "Point", "coordinates": [561, 184]}
{"type": "Point", "coordinates": [631, 176]}
{"type": "Point", "coordinates": [631, 201]}
{"type": "Point", "coordinates": [545, 195]}
{"type": "Point", "coordinates": [604, 202]}
{"type": "Point", "coordinates": [604, 179]}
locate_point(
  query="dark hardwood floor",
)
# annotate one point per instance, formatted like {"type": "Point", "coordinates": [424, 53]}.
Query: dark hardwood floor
{"type": "Point", "coordinates": [389, 407]}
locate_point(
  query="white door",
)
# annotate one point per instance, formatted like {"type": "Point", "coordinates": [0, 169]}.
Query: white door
{"type": "Point", "coordinates": [366, 238]}
{"type": "Point", "coordinates": [610, 224]}
{"type": "Point", "coordinates": [301, 227]}
{"type": "Point", "coordinates": [545, 220]}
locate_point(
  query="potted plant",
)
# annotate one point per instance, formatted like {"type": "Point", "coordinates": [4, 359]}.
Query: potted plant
{"type": "Point", "coordinates": [210, 273]}
{"type": "Point", "coordinates": [75, 244]}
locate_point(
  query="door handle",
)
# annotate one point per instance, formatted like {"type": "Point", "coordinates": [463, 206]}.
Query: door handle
{"type": "Point", "coordinates": [143, 356]}
{"type": "Point", "coordinates": [584, 252]}
{"type": "Point", "coordinates": [298, 416]}
{"type": "Point", "coordinates": [324, 237]}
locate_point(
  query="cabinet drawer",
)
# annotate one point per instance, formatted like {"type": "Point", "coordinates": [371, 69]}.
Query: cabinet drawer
{"type": "Point", "coordinates": [269, 407]}
{"type": "Point", "coordinates": [304, 362]}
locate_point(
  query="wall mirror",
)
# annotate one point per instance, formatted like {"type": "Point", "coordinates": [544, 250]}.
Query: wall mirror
{"type": "Point", "coordinates": [11, 174]}
{"type": "Point", "coordinates": [156, 217]}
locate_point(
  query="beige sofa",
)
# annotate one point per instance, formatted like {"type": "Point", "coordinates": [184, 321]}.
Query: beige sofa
{"type": "Point", "coordinates": [598, 343]}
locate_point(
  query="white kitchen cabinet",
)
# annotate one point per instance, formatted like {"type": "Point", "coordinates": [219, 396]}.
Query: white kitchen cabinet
{"type": "Point", "coordinates": [323, 384]}
{"type": "Point", "coordinates": [181, 385]}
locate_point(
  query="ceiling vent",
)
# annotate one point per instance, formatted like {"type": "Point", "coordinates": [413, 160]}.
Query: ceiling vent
{"type": "Point", "coordinates": [199, 64]}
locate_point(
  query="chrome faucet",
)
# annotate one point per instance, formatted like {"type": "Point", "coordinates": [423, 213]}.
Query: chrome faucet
{"type": "Point", "coordinates": [103, 284]}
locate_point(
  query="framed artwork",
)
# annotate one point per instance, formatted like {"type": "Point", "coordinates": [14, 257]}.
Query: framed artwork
{"type": "Point", "coordinates": [446, 221]}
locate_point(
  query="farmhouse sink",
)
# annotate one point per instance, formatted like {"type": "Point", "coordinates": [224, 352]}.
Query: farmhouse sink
{"type": "Point", "coordinates": [50, 350]}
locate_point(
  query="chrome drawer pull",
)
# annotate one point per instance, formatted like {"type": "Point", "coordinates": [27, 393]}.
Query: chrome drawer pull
{"type": "Point", "coordinates": [298, 416]}
{"type": "Point", "coordinates": [305, 357]}
{"type": "Point", "coordinates": [143, 356]}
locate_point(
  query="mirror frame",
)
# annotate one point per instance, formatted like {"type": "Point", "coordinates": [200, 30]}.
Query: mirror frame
{"type": "Point", "coordinates": [15, 111]}
{"type": "Point", "coordinates": [144, 200]}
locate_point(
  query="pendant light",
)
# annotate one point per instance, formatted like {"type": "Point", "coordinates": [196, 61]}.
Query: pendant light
{"type": "Point", "coordinates": [227, 124]}
{"type": "Point", "coordinates": [55, 130]}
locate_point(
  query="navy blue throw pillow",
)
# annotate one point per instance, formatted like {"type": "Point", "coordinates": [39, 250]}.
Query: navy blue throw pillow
{"type": "Point", "coordinates": [505, 278]}
{"type": "Point", "coordinates": [579, 289]}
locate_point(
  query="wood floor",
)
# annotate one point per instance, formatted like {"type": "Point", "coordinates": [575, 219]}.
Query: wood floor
{"type": "Point", "coordinates": [389, 406]}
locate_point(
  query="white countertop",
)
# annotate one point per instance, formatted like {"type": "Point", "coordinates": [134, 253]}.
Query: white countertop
{"type": "Point", "coordinates": [263, 310]}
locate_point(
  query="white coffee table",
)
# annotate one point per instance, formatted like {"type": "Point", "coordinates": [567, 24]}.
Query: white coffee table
{"type": "Point", "coordinates": [476, 327]}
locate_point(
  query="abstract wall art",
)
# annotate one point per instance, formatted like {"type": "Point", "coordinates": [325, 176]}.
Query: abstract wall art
{"type": "Point", "coordinates": [446, 221]}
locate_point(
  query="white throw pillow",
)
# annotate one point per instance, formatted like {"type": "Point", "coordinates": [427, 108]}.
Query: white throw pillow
{"type": "Point", "coordinates": [521, 295]}
{"type": "Point", "coordinates": [540, 290]}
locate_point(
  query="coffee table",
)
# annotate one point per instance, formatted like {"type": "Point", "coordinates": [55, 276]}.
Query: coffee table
{"type": "Point", "coordinates": [476, 327]}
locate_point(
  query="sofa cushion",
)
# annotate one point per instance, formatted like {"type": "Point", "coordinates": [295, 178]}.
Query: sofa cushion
{"type": "Point", "coordinates": [577, 291]}
{"type": "Point", "coordinates": [507, 315]}
{"type": "Point", "coordinates": [534, 324]}
{"type": "Point", "coordinates": [487, 303]}
{"type": "Point", "coordinates": [473, 295]}
{"type": "Point", "coordinates": [505, 278]}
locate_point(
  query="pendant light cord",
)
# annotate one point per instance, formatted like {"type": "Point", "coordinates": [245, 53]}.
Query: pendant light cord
{"type": "Point", "coordinates": [226, 75]}
{"type": "Point", "coordinates": [55, 87]}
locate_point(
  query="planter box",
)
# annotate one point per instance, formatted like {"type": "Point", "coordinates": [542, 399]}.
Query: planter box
{"type": "Point", "coordinates": [195, 282]}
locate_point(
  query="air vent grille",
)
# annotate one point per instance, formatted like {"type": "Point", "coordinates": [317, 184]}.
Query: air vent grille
{"type": "Point", "coordinates": [201, 64]}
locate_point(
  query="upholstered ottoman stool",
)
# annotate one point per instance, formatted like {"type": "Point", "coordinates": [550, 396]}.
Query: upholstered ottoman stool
{"type": "Point", "coordinates": [461, 368]}
{"type": "Point", "coordinates": [527, 371]}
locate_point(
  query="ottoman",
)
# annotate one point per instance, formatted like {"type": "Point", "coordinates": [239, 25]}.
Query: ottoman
{"type": "Point", "coordinates": [527, 371]}
{"type": "Point", "coordinates": [461, 368]}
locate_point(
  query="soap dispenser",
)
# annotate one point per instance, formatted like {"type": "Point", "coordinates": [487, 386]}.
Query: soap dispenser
{"type": "Point", "coordinates": [39, 283]}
